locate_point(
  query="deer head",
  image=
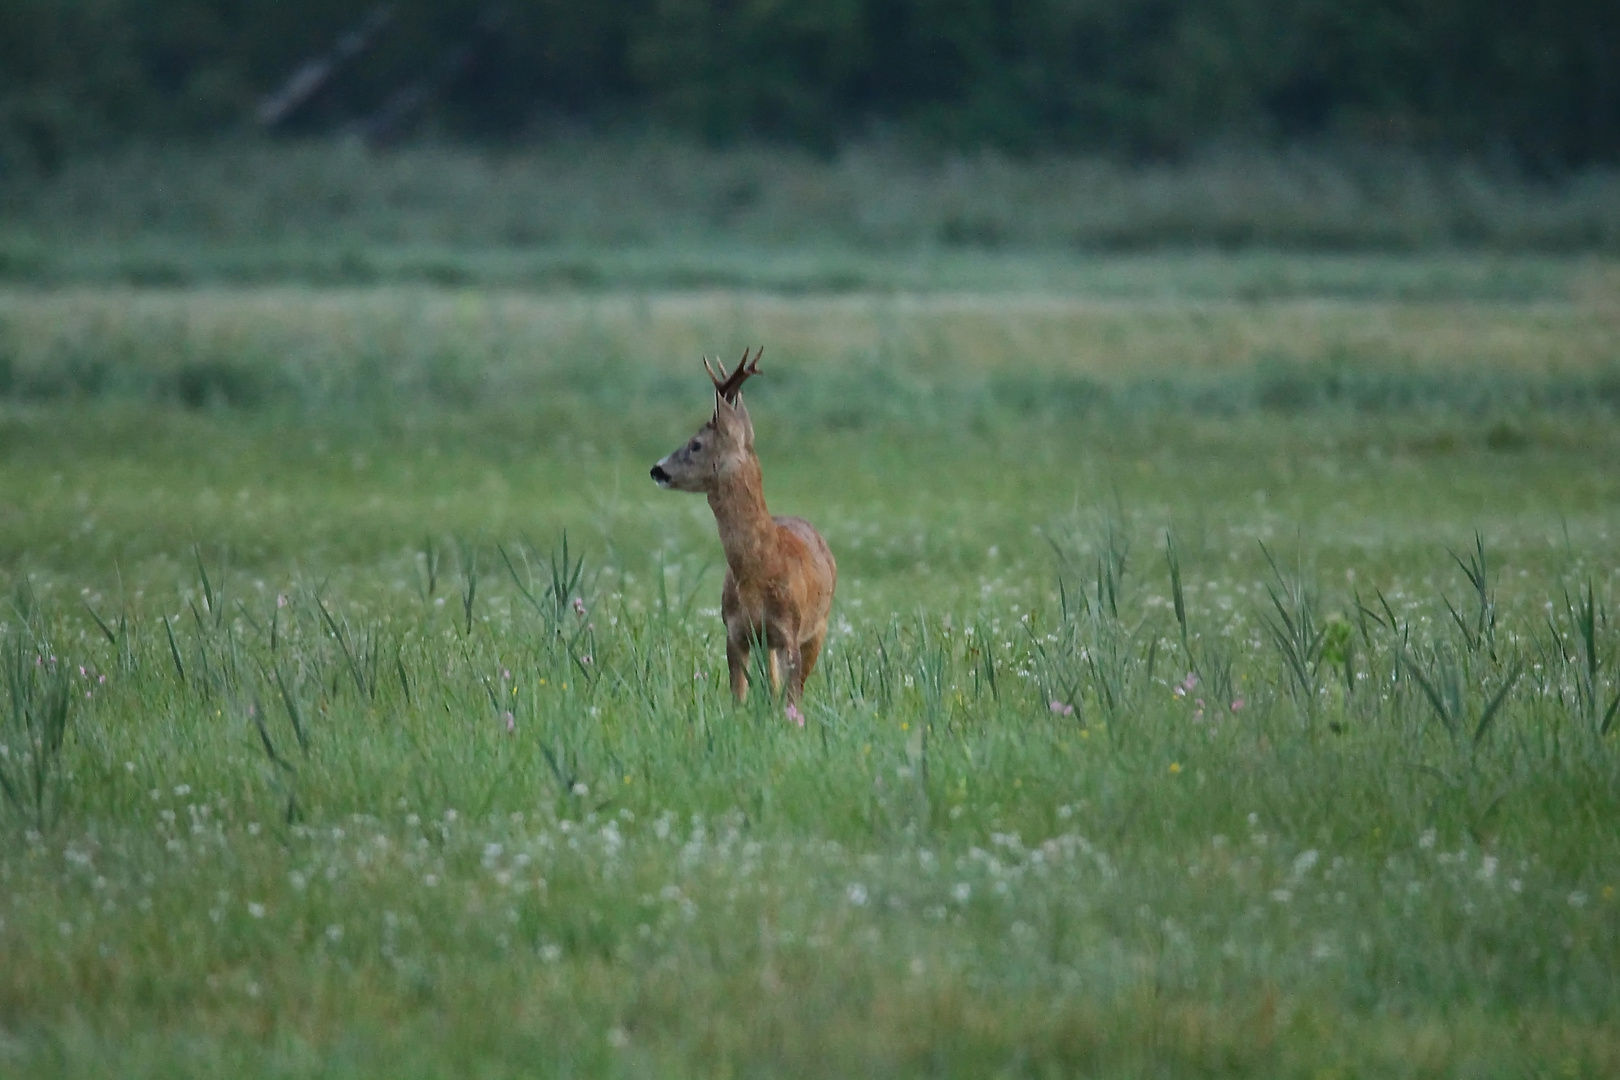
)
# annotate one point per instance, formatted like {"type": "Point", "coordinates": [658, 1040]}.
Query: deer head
{"type": "Point", "coordinates": [720, 445]}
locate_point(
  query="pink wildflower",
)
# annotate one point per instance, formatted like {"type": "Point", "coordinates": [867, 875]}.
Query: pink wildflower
{"type": "Point", "coordinates": [1060, 708]}
{"type": "Point", "coordinates": [1237, 704]}
{"type": "Point", "coordinates": [794, 714]}
{"type": "Point", "coordinates": [579, 607]}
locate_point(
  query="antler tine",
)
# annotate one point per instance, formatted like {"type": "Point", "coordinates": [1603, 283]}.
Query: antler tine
{"type": "Point", "coordinates": [718, 380]}
{"type": "Point", "coordinates": [732, 386]}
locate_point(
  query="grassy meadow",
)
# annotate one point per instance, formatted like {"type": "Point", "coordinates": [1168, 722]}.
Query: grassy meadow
{"type": "Point", "coordinates": [1223, 679]}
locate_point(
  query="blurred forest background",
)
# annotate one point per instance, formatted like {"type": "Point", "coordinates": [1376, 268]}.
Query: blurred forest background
{"type": "Point", "coordinates": [1304, 123]}
{"type": "Point", "coordinates": [1536, 81]}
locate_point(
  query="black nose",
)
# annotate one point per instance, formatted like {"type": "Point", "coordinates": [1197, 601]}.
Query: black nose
{"type": "Point", "coordinates": [659, 475]}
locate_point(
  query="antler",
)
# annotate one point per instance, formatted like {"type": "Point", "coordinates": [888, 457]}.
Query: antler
{"type": "Point", "coordinates": [729, 386]}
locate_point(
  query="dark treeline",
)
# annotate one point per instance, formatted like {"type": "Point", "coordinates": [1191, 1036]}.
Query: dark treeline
{"type": "Point", "coordinates": [1535, 82]}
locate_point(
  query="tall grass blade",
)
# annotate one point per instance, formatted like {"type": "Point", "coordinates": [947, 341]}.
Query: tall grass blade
{"type": "Point", "coordinates": [107, 632]}
{"type": "Point", "coordinates": [525, 588]}
{"type": "Point", "coordinates": [430, 569]}
{"type": "Point", "coordinates": [174, 651]}
{"type": "Point", "coordinates": [469, 593]}
{"type": "Point", "coordinates": [1495, 704]}
{"type": "Point", "coordinates": [1430, 693]}
{"type": "Point", "coordinates": [210, 602]}
{"type": "Point", "coordinates": [257, 713]}
{"type": "Point", "coordinates": [366, 688]}
{"type": "Point", "coordinates": [1482, 633]}
{"type": "Point", "coordinates": [294, 715]}
{"type": "Point", "coordinates": [1178, 600]}
{"type": "Point", "coordinates": [41, 703]}
{"type": "Point", "coordinates": [1296, 632]}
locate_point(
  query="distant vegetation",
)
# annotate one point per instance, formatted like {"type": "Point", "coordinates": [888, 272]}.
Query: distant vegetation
{"type": "Point", "coordinates": [644, 211]}
{"type": "Point", "coordinates": [1516, 80]}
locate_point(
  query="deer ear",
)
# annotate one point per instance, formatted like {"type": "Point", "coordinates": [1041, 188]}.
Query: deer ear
{"type": "Point", "coordinates": [731, 418]}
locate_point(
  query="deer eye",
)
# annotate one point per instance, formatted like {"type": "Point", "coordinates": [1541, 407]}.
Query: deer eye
{"type": "Point", "coordinates": [697, 444]}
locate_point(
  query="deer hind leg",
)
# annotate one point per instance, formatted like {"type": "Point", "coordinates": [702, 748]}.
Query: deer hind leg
{"type": "Point", "coordinates": [793, 672]}
{"type": "Point", "coordinates": [737, 663]}
{"type": "Point", "coordinates": [809, 653]}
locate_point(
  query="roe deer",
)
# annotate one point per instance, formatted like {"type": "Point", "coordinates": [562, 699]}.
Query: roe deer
{"type": "Point", "coordinates": [780, 574]}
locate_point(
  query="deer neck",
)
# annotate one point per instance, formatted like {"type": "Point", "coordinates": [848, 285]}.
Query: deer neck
{"type": "Point", "coordinates": [747, 532]}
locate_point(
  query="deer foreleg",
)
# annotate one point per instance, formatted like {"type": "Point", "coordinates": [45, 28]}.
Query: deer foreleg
{"type": "Point", "coordinates": [737, 663]}
{"type": "Point", "coordinates": [775, 658]}
{"type": "Point", "coordinates": [793, 660]}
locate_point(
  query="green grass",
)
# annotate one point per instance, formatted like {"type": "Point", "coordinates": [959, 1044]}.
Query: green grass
{"type": "Point", "coordinates": [362, 792]}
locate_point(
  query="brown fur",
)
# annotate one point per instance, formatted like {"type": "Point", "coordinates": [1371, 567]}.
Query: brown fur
{"type": "Point", "coordinates": [780, 574]}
